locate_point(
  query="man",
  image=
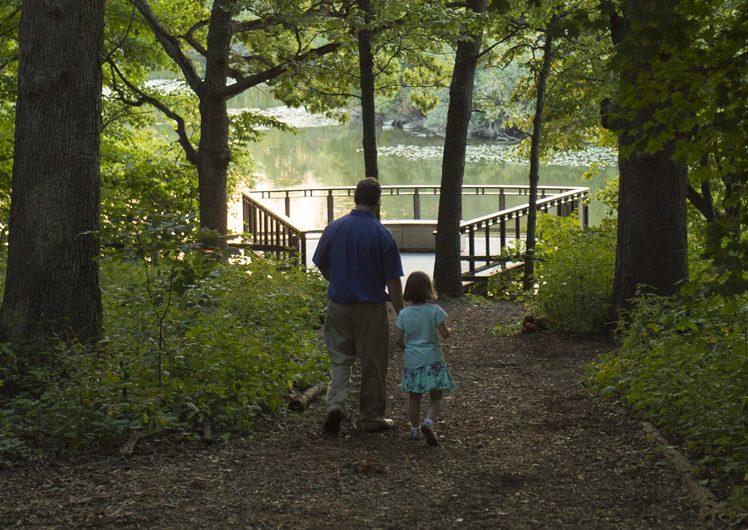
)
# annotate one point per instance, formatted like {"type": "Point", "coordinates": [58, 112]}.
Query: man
{"type": "Point", "coordinates": [359, 258]}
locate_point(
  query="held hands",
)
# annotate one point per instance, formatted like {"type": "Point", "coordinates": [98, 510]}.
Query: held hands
{"type": "Point", "coordinates": [399, 338]}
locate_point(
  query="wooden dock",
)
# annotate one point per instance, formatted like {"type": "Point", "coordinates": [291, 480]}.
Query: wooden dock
{"type": "Point", "coordinates": [486, 241]}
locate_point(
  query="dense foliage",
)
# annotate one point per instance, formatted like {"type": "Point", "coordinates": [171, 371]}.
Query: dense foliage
{"type": "Point", "coordinates": [683, 364]}
{"type": "Point", "coordinates": [191, 343]}
{"type": "Point", "coordinates": [192, 340]}
{"type": "Point", "coordinates": [574, 274]}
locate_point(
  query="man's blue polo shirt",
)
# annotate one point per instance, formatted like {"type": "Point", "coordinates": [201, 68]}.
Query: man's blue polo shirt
{"type": "Point", "coordinates": [362, 255]}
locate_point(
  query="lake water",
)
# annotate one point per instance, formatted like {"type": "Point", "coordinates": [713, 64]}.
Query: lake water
{"type": "Point", "coordinates": [332, 156]}
{"type": "Point", "coordinates": [324, 153]}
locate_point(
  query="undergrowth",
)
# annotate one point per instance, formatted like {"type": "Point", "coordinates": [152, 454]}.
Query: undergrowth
{"type": "Point", "coordinates": [683, 365]}
{"type": "Point", "coordinates": [191, 340]}
{"type": "Point", "coordinates": [573, 276]}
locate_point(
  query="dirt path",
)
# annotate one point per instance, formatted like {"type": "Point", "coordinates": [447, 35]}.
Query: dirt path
{"type": "Point", "coordinates": [523, 445]}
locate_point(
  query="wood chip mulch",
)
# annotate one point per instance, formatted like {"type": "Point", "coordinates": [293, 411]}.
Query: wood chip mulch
{"type": "Point", "coordinates": [523, 444]}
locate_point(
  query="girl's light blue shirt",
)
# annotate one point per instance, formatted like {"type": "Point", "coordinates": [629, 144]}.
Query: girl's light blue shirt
{"type": "Point", "coordinates": [419, 324]}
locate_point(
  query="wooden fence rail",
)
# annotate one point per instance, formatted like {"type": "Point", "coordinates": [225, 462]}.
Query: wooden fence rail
{"type": "Point", "coordinates": [485, 228]}
{"type": "Point", "coordinates": [273, 232]}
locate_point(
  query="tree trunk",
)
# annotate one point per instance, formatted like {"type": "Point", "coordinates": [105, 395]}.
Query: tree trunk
{"type": "Point", "coordinates": [447, 265]}
{"type": "Point", "coordinates": [537, 133]}
{"type": "Point", "coordinates": [368, 114]}
{"type": "Point", "coordinates": [652, 237]}
{"type": "Point", "coordinates": [652, 240]}
{"type": "Point", "coordinates": [52, 281]}
{"type": "Point", "coordinates": [214, 154]}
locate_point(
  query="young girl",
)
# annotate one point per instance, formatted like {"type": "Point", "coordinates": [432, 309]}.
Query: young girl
{"type": "Point", "coordinates": [417, 330]}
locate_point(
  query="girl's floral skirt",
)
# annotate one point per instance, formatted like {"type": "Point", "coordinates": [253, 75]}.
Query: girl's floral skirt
{"type": "Point", "coordinates": [434, 376]}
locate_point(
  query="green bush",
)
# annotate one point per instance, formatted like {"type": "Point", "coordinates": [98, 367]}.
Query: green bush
{"type": "Point", "coordinates": [574, 274]}
{"type": "Point", "coordinates": [683, 364]}
{"type": "Point", "coordinates": [190, 339]}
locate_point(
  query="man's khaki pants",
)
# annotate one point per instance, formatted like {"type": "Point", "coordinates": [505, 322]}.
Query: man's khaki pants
{"type": "Point", "coordinates": [358, 331]}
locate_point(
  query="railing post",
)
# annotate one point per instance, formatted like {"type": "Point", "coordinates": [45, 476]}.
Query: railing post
{"type": "Point", "coordinates": [277, 236]}
{"type": "Point", "coordinates": [488, 243]}
{"type": "Point", "coordinates": [260, 228]}
{"type": "Point", "coordinates": [416, 204]}
{"type": "Point", "coordinates": [471, 248]}
{"type": "Point", "coordinates": [502, 230]}
{"type": "Point", "coordinates": [516, 228]}
{"type": "Point", "coordinates": [302, 244]}
{"type": "Point", "coordinates": [288, 205]}
{"type": "Point", "coordinates": [246, 212]}
{"type": "Point", "coordinates": [502, 200]}
{"type": "Point", "coordinates": [293, 245]}
{"type": "Point", "coordinates": [585, 215]}
{"type": "Point", "coordinates": [330, 207]}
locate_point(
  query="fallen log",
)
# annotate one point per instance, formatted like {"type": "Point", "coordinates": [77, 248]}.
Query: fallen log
{"type": "Point", "coordinates": [302, 400]}
{"type": "Point", "coordinates": [707, 503]}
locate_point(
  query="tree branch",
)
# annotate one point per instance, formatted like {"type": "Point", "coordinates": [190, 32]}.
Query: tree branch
{"type": "Point", "coordinates": [253, 25]}
{"type": "Point", "coordinates": [11, 59]}
{"type": "Point", "coordinates": [244, 83]}
{"type": "Point", "coordinates": [190, 39]}
{"type": "Point", "coordinates": [702, 202]}
{"type": "Point", "coordinates": [144, 98]}
{"type": "Point", "coordinates": [117, 46]}
{"type": "Point", "coordinates": [12, 14]}
{"type": "Point", "coordinates": [509, 36]}
{"type": "Point", "coordinates": [170, 44]}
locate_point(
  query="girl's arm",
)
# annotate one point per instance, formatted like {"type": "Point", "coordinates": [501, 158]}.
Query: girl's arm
{"type": "Point", "coordinates": [444, 331]}
{"type": "Point", "coordinates": [399, 337]}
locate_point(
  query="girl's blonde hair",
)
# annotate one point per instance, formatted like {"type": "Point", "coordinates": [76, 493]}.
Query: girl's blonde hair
{"type": "Point", "coordinates": [419, 289]}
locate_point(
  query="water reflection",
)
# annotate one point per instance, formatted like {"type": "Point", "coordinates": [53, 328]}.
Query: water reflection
{"type": "Point", "coordinates": [331, 156]}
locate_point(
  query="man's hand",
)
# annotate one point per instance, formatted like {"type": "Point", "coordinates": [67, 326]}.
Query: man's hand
{"type": "Point", "coordinates": [395, 288]}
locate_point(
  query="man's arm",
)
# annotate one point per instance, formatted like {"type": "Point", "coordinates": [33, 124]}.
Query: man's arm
{"type": "Point", "coordinates": [395, 288]}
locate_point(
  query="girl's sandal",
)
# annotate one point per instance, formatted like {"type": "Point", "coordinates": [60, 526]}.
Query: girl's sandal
{"type": "Point", "coordinates": [430, 435]}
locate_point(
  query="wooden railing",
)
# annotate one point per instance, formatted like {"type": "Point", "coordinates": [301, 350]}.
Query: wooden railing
{"type": "Point", "coordinates": [417, 191]}
{"type": "Point", "coordinates": [274, 232]}
{"type": "Point", "coordinates": [271, 232]}
{"type": "Point", "coordinates": [486, 228]}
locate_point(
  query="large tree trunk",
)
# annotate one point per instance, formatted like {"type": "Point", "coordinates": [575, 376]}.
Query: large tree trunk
{"type": "Point", "coordinates": [214, 154]}
{"type": "Point", "coordinates": [52, 282]}
{"type": "Point", "coordinates": [652, 237]}
{"type": "Point", "coordinates": [652, 242]}
{"type": "Point", "coordinates": [537, 133]}
{"type": "Point", "coordinates": [447, 266]}
{"type": "Point", "coordinates": [368, 111]}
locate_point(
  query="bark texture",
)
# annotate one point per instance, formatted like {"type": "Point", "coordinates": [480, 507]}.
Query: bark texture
{"type": "Point", "coordinates": [652, 237]}
{"type": "Point", "coordinates": [447, 266]}
{"type": "Point", "coordinates": [52, 281]}
{"type": "Point", "coordinates": [368, 110]}
{"type": "Point", "coordinates": [652, 242]}
{"type": "Point", "coordinates": [214, 154]}
{"type": "Point", "coordinates": [537, 135]}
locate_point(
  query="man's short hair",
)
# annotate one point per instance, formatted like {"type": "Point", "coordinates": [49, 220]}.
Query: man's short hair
{"type": "Point", "coordinates": [368, 192]}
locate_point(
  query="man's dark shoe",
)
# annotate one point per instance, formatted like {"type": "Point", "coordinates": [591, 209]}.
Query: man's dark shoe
{"type": "Point", "coordinates": [385, 424]}
{"type": "Point", "coordinates": [333, 420]}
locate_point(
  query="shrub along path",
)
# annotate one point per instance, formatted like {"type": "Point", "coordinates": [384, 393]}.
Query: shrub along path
{"type": "Point", "coordinates": [523, 445]}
